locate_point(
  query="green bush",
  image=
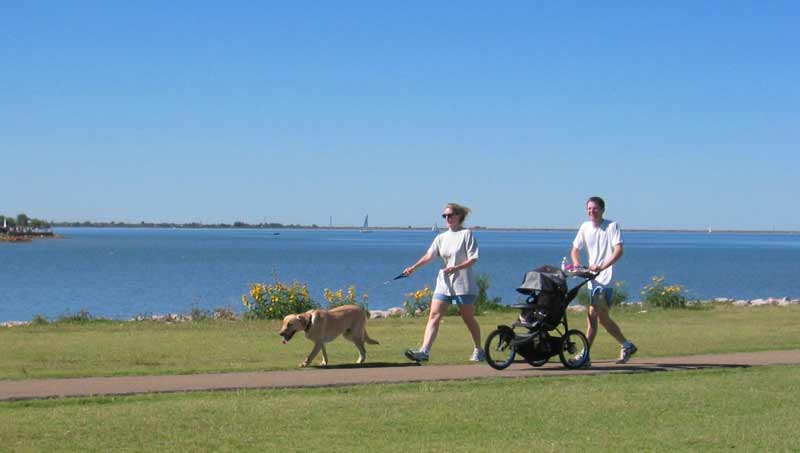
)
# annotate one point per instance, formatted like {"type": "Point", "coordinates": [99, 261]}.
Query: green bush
{"type": "Point", "coordinates": [199, 314]}
{"type": "Point", "coordinates": [277, 300]}
{"type": "Point", "coordinates": [81, 317]}
{"type": "Point", "coordinates": [482, 302]}
{"type": "Point", "coordinates": [658, 294]}
{"type": "Point", "coordinates": [39, 320]}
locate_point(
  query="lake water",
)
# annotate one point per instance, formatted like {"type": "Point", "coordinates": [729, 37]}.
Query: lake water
{"type": "Point", "coordinates": [122, 273]}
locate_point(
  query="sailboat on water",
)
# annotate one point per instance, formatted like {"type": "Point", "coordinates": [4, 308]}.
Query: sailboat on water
{"type": "Point", "coordinates": [365, 227]}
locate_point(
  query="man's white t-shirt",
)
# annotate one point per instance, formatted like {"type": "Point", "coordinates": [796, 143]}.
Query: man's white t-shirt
{"type": "Point", "coordinates": [599, 243]}
{"type": "Point", "coordinates": [453, 248]}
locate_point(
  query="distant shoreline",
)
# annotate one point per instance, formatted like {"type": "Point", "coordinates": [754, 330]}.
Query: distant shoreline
{"type": "Point", "coordinates": [273, 226]}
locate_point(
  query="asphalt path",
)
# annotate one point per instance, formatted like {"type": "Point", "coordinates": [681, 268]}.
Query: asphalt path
{"type": "Point", "coordinates": [370, 373]}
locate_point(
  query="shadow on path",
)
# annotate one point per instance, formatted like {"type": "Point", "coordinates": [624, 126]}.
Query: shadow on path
{"type": "Point", "coordinates": [355, 366]}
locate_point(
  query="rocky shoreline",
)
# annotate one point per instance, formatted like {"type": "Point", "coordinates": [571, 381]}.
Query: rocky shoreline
{"type": "Point", "coordinates": [400, 311]}
{"type": "Point", "coordinates": [27, 237]}
{"type": "Point", "coordinates": [777, 301]}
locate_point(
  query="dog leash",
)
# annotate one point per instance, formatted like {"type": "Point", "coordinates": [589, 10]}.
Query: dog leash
{"type": "Point", "coordinates": [396, 278]}
{"type": "Point", "coordinates": [376, 286]}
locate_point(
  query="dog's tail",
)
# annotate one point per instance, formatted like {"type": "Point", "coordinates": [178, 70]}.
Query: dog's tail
{"type": "Point", "coordinates": [368, 339]}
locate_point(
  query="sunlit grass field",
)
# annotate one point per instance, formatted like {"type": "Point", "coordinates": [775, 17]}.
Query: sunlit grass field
{"type": "Point", "coordinates": [755, 409]}
{"type": "Point", "coordinates": [105, 348]}
{"type": "Point", "coordinates": [742, 408]}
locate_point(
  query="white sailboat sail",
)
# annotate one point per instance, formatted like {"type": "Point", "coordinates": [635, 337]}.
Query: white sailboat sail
{"type": "Point", "coordinates": [365, 227]}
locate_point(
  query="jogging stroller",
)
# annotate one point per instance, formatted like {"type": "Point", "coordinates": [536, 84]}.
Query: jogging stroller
{"type": "Point", "coordinates": [542, 330]}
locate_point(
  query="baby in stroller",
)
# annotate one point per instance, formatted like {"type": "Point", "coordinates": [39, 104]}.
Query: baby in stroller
{"type": "Point", "coordinates": [546, 288]}
{"type": "Point", "coordinates": [542, 330]}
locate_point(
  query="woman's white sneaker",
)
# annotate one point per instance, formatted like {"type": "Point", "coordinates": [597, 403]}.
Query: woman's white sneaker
{"type": "Point", "coordinates": [626, 353]}
{"type": "Point", "coordinates": [478, 356]}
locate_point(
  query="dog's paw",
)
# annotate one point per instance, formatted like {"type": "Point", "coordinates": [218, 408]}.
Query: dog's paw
{"type": "Point", "coordinates": [303, 364]}
{"type": "Point", "coordinates": [323, 363]}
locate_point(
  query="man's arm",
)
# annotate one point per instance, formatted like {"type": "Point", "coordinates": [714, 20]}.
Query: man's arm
{"type": "Point", "coordinates": [576, 257]}
{"type": "Point", "coordinates": [608, 262]}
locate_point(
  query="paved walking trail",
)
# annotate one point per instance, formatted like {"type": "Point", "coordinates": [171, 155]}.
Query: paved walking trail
{"type": "Point", "coordinates": [366, 374]}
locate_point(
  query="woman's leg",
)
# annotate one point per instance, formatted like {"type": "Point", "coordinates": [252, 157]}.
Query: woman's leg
{"type": "Point", "coordinates": [438, 310]}
{"type": "Point", "coordinates": [467, 312]}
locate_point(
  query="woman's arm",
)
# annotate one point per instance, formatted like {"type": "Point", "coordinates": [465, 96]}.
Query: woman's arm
{"type": "Point", "coordinates": [466, 264]}
{"type": "Point", "coordinates": [424, 259]}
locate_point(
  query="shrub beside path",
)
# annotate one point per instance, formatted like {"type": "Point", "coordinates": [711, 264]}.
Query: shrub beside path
{"type": "Point", "coordinates": [370, 373]}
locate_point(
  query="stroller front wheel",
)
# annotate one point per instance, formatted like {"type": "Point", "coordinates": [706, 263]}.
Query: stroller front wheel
{"type": "Point", "coordinates": [574, 351]}
{"type": "Point", "coordinates": [500, 352]}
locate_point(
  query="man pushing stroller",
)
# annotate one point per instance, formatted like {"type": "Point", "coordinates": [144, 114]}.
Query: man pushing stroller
{"type": "Point", "coordinates": [604, 246]}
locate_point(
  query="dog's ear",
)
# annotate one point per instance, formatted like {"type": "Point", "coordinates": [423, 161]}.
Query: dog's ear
{"type": "Point", "coordinates": [305, 318]}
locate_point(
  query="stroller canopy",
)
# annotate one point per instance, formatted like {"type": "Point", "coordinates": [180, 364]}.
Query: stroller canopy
{"type": "Point", "coordinates": [544, 279]}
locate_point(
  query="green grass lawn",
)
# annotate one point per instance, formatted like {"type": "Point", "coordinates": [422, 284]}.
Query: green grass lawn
{"type": "Point", "coordinates": [739, 408]}
{"type": "Point", "coordinates": [755, 409]}
{"type": "Point", "coordinates": [134, 348]}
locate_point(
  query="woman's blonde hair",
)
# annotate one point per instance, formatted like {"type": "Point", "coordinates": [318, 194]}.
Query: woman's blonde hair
{"type": "Point", "coordinates": [461, 211]}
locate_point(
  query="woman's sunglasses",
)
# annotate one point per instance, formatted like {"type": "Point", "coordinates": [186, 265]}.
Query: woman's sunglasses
{"type": "Point", "coordinates": [445, 216]}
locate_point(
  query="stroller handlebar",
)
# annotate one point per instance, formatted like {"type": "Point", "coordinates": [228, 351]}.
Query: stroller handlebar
{"type": "Point", "coordinates": [581, 272]}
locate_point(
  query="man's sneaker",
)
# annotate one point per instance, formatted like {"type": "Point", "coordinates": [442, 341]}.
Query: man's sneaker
{"type": "Point", "coordinates": [478, 356]}
{"type": "Point", "coordinates": [588, 363]}
{"type": "Point", "coordinates": [417, 356]}
{"type": "Point", "coordinates": [626, 353]}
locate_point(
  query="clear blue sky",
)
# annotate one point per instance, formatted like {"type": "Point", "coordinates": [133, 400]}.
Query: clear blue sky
{"type": "Point", "coordinates": [680, 114]}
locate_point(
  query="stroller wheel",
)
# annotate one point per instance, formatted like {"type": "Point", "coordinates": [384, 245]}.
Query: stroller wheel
{"type": "Point", "coordinates": [574, 351]}
{"type": "Point", "coordinates": [500, 353]}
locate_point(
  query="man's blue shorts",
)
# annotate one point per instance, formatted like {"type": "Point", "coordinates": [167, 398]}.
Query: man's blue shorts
{"type": "Point", "coordinates": [464, 299]}
{"type": "Point", "coordinates": [602, 294]}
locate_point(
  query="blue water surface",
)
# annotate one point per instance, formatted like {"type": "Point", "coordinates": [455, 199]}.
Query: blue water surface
{"type": "Point", "coordinates": [122, 273]}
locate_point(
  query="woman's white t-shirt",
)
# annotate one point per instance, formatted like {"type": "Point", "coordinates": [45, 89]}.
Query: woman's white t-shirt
{"type": "Point", "coordinates": [454, 248]}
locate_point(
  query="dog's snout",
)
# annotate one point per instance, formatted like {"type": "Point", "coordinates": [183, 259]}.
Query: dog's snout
{"type": "Point", "coordinates": [286, 334]}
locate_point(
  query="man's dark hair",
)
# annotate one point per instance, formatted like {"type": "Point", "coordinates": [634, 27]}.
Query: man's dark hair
{"type": "Point", "coordinates": [598, 201]}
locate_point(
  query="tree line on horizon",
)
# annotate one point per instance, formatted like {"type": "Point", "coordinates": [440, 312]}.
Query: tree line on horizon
{"type": "Point", "coordinates": [144, 224]}
{"type": "Point", "coordinates": [22, 220]}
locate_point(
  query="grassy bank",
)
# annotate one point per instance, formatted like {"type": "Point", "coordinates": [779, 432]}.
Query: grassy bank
{"type": "Point", "coordinates": [105, 348]}
{"type": "Point", "coordinates": [749, 409]}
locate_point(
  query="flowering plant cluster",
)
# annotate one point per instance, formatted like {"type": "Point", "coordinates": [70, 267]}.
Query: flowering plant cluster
{"type": "Point", "coordinates": [338, 298]}
{"type": "Point", "coordinates": [418, 302]}
{"type": "Point", "coordinates": [659, 294]}
{"type": "Point", "coordinates": [277, 300]}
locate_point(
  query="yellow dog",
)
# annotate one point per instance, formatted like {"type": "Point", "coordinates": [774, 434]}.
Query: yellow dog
{"type": "Point", "coordinates": [323, 326]}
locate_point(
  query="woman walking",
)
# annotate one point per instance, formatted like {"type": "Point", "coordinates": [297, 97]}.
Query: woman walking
{"type": "Point", "coordinates": [455, 283]}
